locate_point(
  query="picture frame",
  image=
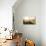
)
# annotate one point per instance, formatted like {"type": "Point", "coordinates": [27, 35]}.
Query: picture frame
{"type": "Point", "coordinates": [29, 20]}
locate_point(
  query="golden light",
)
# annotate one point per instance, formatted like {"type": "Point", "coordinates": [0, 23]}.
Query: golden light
{"type": "Point", "coordinates": [26, 18]}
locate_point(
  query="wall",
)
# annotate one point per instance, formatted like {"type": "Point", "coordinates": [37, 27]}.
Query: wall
{"type": "Point", "coordinates": [28, 8]}
{"type": "Point", "coordinates": [6, 13]}
{"type": "Point", "coordinates": [43, 22]}
{"type": "Point", "coordinates": [40, 27]}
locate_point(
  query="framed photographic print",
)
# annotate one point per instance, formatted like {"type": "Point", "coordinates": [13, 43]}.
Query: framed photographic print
{"type": "Point", "coordinates": [29, 20]}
